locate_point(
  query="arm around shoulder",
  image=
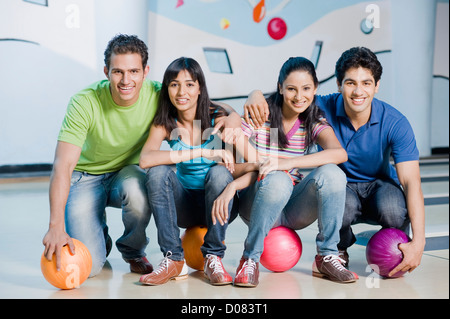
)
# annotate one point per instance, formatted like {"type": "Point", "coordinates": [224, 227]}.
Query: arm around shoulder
{"type": "Point", "coordinates": [332, 153]}
{"type": "Point", "coordinates": [256, 108]}
{"type": "Point", "coordinates": [151, 155]}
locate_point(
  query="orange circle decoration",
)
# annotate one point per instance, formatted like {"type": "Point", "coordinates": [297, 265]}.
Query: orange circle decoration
{"type": "Point", "coordinates": [75, 269]}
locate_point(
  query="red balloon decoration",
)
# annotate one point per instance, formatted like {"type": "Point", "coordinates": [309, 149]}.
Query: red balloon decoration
{"type": "Point", "coordinates": [277, 28]}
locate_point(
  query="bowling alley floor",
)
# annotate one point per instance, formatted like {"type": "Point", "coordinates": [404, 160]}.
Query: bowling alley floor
{"type": "Point", "coordinates": [24, 215]}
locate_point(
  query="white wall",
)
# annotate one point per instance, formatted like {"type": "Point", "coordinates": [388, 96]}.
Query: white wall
{"type": "Point", "coordinates": [38, 80]}
{"type": "Point", "coordinates": [257, 66]}
{"type": "Point", "coordinates": [440, 97]}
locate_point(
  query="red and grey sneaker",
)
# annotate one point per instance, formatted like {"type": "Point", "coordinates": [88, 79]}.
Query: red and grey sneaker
{"type": "Point", "coordinates": [332, 268]}
{"type": "Point", "coordinates": [247, 273]}
{"type": "Point", "coordinates": [215, 272]}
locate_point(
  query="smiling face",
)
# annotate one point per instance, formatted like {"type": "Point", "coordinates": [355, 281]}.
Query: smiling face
{"type": "Point", "coordinates": [358, 89]}
{"type": "Point", "coordinates": [126, 75]}
{"type": "Point", "coordinates": [298, 90]}
{"type": "Point", "coordinates": [184, 91]}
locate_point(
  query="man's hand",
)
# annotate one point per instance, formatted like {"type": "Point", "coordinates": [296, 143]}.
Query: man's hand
{"type": "Point", "coordinates": [412, 255]}
{"type": "Point", "coordinates": [53, 242]}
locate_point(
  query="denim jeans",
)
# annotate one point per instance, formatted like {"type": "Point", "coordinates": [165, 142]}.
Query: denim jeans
{"type": "Point", "coordinates": [274, 201]}
{"type": "Point", "coordinates": [174, 206]}
{"type": "Point", "coordinates": [378, 203]}
{"type": "Point", "coordinates": [86, 217]}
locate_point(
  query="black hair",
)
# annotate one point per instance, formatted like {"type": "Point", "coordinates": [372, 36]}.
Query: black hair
{"type": "Point", "coordinates": [166, 113]}
{"type": "Point", "coordinates": [122, 44]}
{"type": "Point", "coordinates": [310, 116]}
{"type": "Point", "coordinates": [358, 57]}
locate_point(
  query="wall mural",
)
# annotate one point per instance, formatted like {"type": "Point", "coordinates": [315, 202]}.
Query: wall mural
{"type": "Point", "coordinates": [252, 22]}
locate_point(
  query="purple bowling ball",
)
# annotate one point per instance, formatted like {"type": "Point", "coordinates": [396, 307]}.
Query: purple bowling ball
{"type": "Point", "coordinates": [382, 251]}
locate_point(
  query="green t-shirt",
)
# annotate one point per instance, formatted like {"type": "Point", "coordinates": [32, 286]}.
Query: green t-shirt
{"type": "Point", "coordinates": [110, 136]}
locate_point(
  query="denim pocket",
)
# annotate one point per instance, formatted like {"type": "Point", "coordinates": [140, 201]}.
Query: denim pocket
{"type": "Point", "coordinates": [76, 177]}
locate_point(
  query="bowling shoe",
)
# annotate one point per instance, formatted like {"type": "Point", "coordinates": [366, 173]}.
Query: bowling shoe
{"type": "Point", "coordinates": [215, 272]}
{"type": "Point", "coordinates": [140, 265]}
{"type": "Point", "coordinates": [167, 270]}
{"type": "Point", "coordinates": [344, 255]}
{"type": "Point", "coordinates": [331, 267]}
{"type": "Point", "coordinates": [247, 273]}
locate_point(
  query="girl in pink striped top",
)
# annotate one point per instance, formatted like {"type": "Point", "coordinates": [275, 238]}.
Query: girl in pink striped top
{"type": "Point", "coordinates": [280, 195]}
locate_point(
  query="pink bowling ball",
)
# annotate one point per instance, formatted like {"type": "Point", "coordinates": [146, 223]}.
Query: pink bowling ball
{"type": "Point", "coordinates": [282, 249]}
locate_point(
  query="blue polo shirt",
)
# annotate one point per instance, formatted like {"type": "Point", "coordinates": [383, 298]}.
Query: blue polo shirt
{"type": "Point", "coordinates": [387, 134]}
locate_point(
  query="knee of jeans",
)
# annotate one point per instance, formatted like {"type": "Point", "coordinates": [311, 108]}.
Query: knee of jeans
{"type": "Point", "coordinates": [276, 186]}
{"type": "Point", "coordinates": [392, 217]}
{"type": "Point", "coordinates": [135, 195]}
{"type": "Point", "coordinates": [218, 176]}
{"type": "Point", "coordinates": [332, 174]}
{"type": "Point", "coordinates": [158, 174]}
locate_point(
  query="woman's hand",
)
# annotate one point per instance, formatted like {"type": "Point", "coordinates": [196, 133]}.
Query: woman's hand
{"type": "Point", "coordinates": [221, 156]}
{"type": "Point", "coordinates": [272, 164]}
{"type": "Point", "coordinates": [219, 210]}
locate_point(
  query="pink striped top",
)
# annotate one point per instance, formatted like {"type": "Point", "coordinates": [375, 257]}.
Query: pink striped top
{"type": "Point", "coordinates": [267, 145]}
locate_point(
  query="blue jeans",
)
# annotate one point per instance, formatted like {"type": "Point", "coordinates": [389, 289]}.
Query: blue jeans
{"type": "Point", "coordinates": [380, 202]}
{"type": "Point", "coordinates": [86, 217]}
{"type": "Point", "coordinates": [274, 201]}
{"type": "Point", "coordinates": [174, 206]}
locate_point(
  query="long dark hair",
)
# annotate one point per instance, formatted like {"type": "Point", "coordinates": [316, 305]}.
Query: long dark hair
{"type": "Point", "coordinates": [166, 113]}
{"type": "Point", "coordinates": [310, 116]}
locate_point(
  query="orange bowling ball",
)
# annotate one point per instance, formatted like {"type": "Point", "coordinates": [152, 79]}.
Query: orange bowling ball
{"type": "Point", "coordinates": [191, 241]}
{"type": "Point", "coordinates": [75, 269]}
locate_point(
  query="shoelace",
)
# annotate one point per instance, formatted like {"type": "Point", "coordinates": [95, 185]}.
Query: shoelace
{"type": "Point", "coordinates": [164, 264]}
{"type": "Point", "coordinates": [336, 261]}
{"type": "Point", "coordinates": [214, 263]}
{"type": "Point", "coordinates": [248, 267]}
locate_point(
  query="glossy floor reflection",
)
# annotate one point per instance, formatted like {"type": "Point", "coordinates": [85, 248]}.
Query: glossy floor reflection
{"type": "Point", "coordinates": [24, 211]}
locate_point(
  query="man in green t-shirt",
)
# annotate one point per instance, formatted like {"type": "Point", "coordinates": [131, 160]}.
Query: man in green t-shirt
{"type": "Point", "coordinates": [96, 160]}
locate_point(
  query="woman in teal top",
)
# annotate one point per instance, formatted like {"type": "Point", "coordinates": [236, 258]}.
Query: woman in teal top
{"type": "Point", "coordinates": [185, 118]}
{"type": "Point", "coordinates": [192, 173]}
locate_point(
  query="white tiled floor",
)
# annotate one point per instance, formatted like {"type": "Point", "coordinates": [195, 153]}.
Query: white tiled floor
{"type": "Point", "coordinates": [24, 217]}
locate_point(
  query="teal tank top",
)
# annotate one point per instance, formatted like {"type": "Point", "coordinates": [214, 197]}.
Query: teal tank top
{"type": "Point", "coordinates": [192, 173]}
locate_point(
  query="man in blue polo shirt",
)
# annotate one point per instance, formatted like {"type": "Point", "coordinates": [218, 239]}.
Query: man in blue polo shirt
{"type": "Point", "coordinates": [372, 132]}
